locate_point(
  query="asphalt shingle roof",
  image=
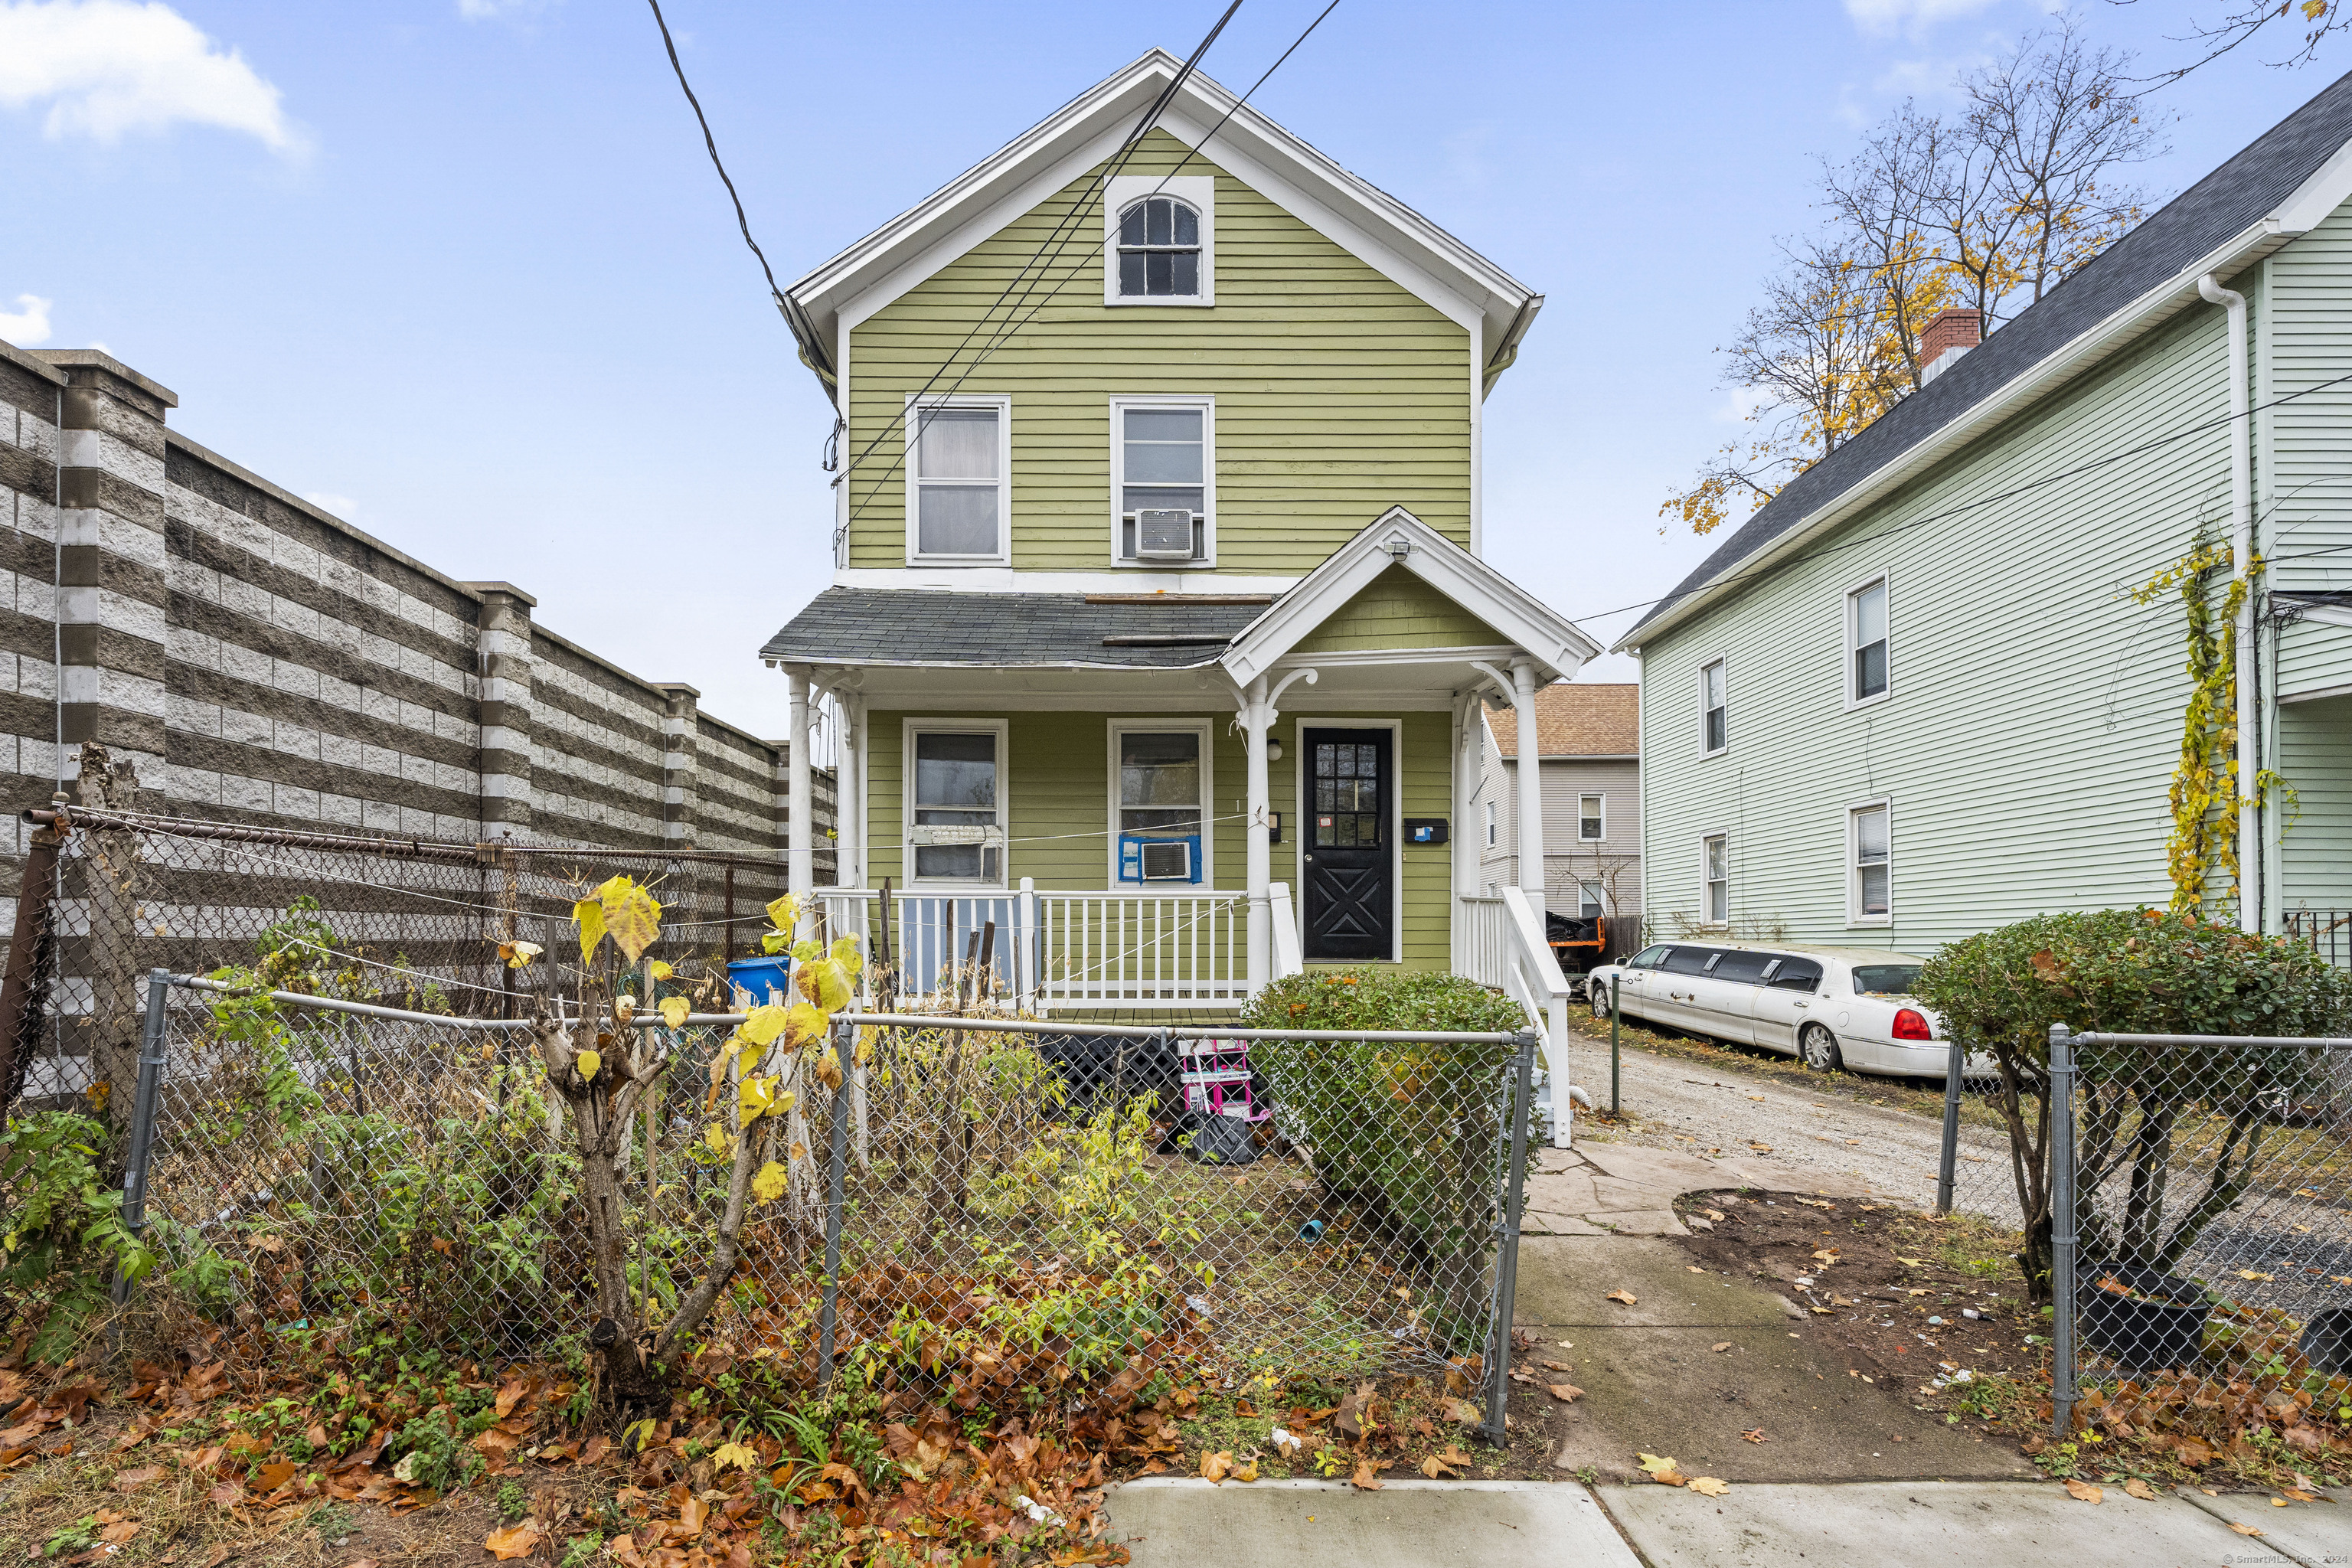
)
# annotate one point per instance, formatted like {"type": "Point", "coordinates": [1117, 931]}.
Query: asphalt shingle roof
{"type": "Point", "coordinates": [2222, 204]}
{"type": "Point", "coordinates": [930, 627]}
{"type": "Point", "coordinates": [1574, 720]}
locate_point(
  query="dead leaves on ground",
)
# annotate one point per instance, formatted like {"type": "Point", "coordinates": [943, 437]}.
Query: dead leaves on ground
{"type": "Point", "coordinates": [2084, 1492]}
{"type": "Point", "coordinates": [1626, 1297]}
{"type": "Point", "coordinates": [514, 1541]}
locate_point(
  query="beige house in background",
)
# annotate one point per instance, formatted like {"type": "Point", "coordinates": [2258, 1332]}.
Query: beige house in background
{"type": "Point", "coordinates": [1591, 779]}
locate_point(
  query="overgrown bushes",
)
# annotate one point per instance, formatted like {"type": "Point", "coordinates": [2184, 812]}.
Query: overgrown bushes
{"type": "Point", "coordinates": [2136, 972]}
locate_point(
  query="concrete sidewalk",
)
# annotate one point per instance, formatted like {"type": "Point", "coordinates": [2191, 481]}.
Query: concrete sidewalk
{"type": "Point", "coordinates": [1167, 1522]}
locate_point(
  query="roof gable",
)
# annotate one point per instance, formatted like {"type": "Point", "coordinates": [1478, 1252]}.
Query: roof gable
{"type": "Point", "coordinates": [1394, 609]}
{"type": "Point", "coordinates": [1404, 246]}
{"type": "Point", "coordinates": [2281, 185]}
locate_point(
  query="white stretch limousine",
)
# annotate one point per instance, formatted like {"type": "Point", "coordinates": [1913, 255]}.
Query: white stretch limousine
{"type": "Point", "coordinates": [1832, 1006]}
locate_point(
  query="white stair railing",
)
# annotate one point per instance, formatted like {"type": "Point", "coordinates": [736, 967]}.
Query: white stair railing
{"type": "Point", "coordinates": [1532, 978]}
{"type": "Point", "coordinates": [1287, 958]}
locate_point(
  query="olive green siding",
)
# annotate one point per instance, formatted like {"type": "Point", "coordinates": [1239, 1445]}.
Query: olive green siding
{"type": "Point", "coordinates": [2034, 716]}
{"type": "Point", "coordinates": [1339, 395]}
{"type": "Point", "coordinates": [2315, 752]}
{"type": "Point", "coordinates": [1057, 781]}
{"type": "Point", "coordinates": [1400, 610]}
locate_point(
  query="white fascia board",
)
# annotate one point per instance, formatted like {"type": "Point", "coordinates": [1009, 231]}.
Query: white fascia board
{"type": "Point", "coordinates": [2325, 614]}
{"type": "Point", "coordinates": [2053, 371]}
{"type": "Point", "coordinates": [1555, 643]}
{"type": "Point", "coordinates": [1013, 580]}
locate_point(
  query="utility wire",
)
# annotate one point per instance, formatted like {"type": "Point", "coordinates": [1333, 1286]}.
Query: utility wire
{"type": "Point", "coordinates": [741, 222]}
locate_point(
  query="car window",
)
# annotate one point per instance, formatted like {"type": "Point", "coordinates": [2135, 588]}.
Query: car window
{"type": "Point", "coordinates": [1743, 968]}
{"type": "Point", "coordinates": [1797, 974]}
{"type": "Point", "coordinates": [1885, 979]}
{"type": "Point", "coordinates": [1649, 957]}
{"type": "Point", "coordinates": [1691, 960]}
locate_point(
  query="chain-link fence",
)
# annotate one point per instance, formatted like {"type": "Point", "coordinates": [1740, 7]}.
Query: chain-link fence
{"type": "Point", "coordinates": [1236, 1202]}
{"type": "Point", "coordinates": [2188, 1200]}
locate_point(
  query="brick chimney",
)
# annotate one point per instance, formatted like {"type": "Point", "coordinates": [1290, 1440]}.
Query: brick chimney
{"type": "Point", "coordinates": [1948, 335]}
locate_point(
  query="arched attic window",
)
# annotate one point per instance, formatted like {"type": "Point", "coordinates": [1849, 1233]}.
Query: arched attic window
{"type": "Point", "coordinates": [1160, 249]}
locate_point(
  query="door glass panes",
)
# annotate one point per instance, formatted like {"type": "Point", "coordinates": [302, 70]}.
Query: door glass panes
{"type": "Point", "coordinates": [955, 790]}
{"type": "Point", "coordinates": [1346, 795]}
{"type": "Point", "coordinates": [1869, 641]}
{"type": "Point", "coordinates": [1718, 874]}
{"type": "Point", "coordinates": [1160, 249]}
{"type": "Point", "coordinates": [1158, 785]}
{"type": "Point", "coordinates": [1871, 863]}
{"type": "Point", "coordinates": [1716, 726]}
{"type": "Point", "coordinates": [956, 474]}
{"type": "Point", "coordinates": [1162, 468]}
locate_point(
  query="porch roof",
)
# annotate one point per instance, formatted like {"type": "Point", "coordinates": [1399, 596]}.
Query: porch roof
{"type": "Point", "coordinates": [929, 628]}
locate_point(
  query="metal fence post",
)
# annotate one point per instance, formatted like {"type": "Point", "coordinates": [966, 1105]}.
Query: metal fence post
{"type": "Point", "coordinates": [2062, 1230]}
{"type": "Point", "coordinates": [1615, 981]}
{"type": "Point", "coordinates": [837, 1181]}
{"type": "Point", "coordinates": [1506, 1262]}
{"type": "Point", "coordinates": [152, 1057]}
{"type": "Point", "coordinates": [1948, 1165]}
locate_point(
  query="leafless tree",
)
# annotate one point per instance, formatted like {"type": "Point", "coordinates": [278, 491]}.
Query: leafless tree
{"type": "Point", "coordinates": [2321, 19]}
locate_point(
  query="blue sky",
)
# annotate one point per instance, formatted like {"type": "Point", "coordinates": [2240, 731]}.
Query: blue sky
{"type": "Point", "coordinates": [459, 268]}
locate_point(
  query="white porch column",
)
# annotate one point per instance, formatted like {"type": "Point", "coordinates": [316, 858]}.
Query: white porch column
{"type": "Point", "coordinates": [1467, 755]}
{"type": "Point", "coordinates": [1255, 716]}
{"type": "Point", "coordinates": [800, 836]}
{"type": "Point", "coordinates": [1530, 768]}
{"type": "Point", "coordinates": [848, 789]}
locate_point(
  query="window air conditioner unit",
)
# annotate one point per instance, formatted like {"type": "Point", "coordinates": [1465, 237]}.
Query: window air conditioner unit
{"type": "Point", "coordinates": [1167, 860]}
{"type": "Point", "coordinates": [1163, 535]}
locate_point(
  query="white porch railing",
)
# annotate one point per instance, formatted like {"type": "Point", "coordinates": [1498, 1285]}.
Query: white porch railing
{"type": "Point", "coordinates": [1484, 951]}
{"type": "Point", "coordinates": [1532, 977]}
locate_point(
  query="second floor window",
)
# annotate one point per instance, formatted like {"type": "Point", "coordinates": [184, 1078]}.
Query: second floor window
{"type": "Point", "coordinates": [1715, 709]}
{"type": "Point", "coordinates": [1490, 824]}
{"type": "Point", "coordinates": [1588, 816]}
{"type": "Point", "coordinates": [956, 483]}
{"type": "Point", "coordinates": [1163, 456]}
{"type": "Point", "coordinates": [1160, 249]}
{"type": "Point", "coordinates": [1867, 641]}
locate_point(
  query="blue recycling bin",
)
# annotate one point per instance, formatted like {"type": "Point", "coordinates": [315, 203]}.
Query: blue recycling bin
{"type": "Point", "coordinates": [761, 975]}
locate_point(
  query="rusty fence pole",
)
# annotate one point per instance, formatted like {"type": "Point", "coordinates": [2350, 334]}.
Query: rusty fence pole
{"type": "Point", "coordinates": [20, 987]}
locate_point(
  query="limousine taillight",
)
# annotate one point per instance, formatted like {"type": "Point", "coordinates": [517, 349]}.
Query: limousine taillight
{"type": "Point", "coordinates": [1910, 1024]}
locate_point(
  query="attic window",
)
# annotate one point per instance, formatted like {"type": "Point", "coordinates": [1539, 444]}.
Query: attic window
{"type": "Point", "coordinates": [1159, 240]}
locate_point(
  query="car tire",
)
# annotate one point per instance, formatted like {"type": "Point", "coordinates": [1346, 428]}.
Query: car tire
{"type": "Point", "coordinates": [1818, 1049]}
{"type": "Point", "coordinates": [1598, 995]}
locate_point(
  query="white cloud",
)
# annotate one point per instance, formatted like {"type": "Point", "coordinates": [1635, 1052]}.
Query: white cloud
{"type": "Point", "coordinates": [1741, 404]}
{"type": "Point", "coordinates": [1883, 17]}
{"type": "Point", "coordinates": [106, 68]}
{"type": "Point", "coordinates": [326, 500]}
{"type": "Point", "coordinates": [28, 326]}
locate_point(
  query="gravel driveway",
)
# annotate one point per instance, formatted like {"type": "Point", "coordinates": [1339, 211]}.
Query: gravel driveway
{"type": "Point", "coordinates": [1716, 1109]}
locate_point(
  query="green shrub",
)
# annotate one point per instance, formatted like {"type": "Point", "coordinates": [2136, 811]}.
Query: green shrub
{"type": "Point", "coordinates": [62, 1234]}
{"type": "Point", "coordinates": [1407, 1132]}
{"type": "Point", "coordinates": [2138, 972]}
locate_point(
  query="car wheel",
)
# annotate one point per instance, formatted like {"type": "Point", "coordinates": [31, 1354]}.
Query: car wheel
{"type": "Point", "coordinates": [1599, 997]}
{"type": "Point", "coordinates": [1819, 1049]}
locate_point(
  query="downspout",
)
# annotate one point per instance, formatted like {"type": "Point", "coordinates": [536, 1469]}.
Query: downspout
{"type": "Point", "coordinates": [2241, 566]}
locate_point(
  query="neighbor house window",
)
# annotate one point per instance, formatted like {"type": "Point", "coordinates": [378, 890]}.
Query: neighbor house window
{"type": "Point", "coordinates": [1715, 877]}
{"type": "Point", "coordinates": [1865, 620]}
{"type": "Point", "coordinates": [1161, 792]}
{"type": "Point", "coordinates": [1588, 899]}
{"type": "Point", "coordinates": [1588, 816]}
{"type": "Point", "coordinates": [957, 465]}
{"type": "Point", "coordinates": [1160, 247]}
{"type": "Point", "coordinates": [1870, 894]}
{"type": "Point", "coordinates": [1715, 710]}
{"type": "Point", "coordinates": [1490, 824]}
{"type": "Point", "coordinates": [1163, 469]}
{"type": "Point", "coordinates": [956, 803]}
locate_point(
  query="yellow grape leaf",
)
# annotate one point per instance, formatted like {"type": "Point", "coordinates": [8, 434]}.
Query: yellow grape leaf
{"type": "Point", "coordinates": [632, 916]}
{"type": "Point", "coordinates": [828, 1070]}
{"type": "Point", "coordinates": [674, 1011]}
{"type": "Point", "coordinates": [589, 913]}
{"type": "Point", "coordinates": [741, 1456]}
{"type": "Point", "coordinates": [845, 953]}
{"type": "Point", "coordinates": [805, 1026]}
{"type": "Point", "coordinates": [637, 1435]}
{"type": "Point", "coordinates": [659, 970]}
{"type": "Point", "coordinates": [1708, 1486]}
{"type": "Point", "coordinates": [763, 1024]}
{"type": "Point", "coordinates": [759, 1097]}
{"type": "Point", "coordinates": [588, 1062]}
{"type": "Point", "coordinates": [824, 983]}
{"type": "Point", "coordinates": [806, 949]}
{"type": "Point", "coordinates": [714, 1138]}
{"type": "Point", "coordinates": [775, 942]}
{"type": "Point", "coordinates": [517, 954]}
{"type": "Point", "coordinates": [784, 913]}
{"type": "Point", "coordinates": [768, 1185]}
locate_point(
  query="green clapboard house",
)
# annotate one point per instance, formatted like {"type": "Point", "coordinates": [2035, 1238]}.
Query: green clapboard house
{"type": "Point", "coordinates": [1158, 618]}
{"type": "Point", "coordinates": [1923, 691]}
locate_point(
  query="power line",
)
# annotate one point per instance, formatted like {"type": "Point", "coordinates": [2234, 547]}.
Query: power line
{"type": "Point", "coordinates": [2028, 485]}
{"type": "Point", "coordinates": [782, 307]}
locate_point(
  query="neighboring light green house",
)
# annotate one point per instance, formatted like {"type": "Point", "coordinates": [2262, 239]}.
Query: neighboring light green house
{"type": "Point", "coordinates": [1158, 590]}
{"type": "Point", "coordinates": [1914, 695]}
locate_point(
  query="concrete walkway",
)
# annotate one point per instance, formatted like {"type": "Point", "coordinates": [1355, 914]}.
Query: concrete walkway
{"type": "Point", "coordinates": [1625, 1189]}
{"type": "Point", "coordinates": [1171, 1523]}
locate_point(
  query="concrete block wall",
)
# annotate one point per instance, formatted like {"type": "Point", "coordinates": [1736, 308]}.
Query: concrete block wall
{"type": "Point", "coordinates": [262, 661]}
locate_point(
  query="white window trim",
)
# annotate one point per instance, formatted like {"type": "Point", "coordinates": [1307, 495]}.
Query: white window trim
{"type": "Point", "coordinates": [1845, 675]}
{"type": "Point", "coordinates": [1208, 407]}
{"type": "Point", "coordinates": [909, 729]}
{"type": "Point", "coordinates": [1004, 407]}
{"type": "Point", "coordinates": [1205, 730]}
{"type": "Point", "coordinates": [1853, 915]}
{"type": "Point", "coordinates": [1581, 796]}
{"type": "Point", "coordinates": [1705, 665]}
{"type": "Point", "coordinates": [1198, 192]}
{"type": "Point", "coordinates": [1608, 911]}
{"type": "Point", "coordinates": [1705, 921]}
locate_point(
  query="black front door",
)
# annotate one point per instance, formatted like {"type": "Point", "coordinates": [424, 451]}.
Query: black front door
{"type": "Point", "coordinates": [1350, 861]}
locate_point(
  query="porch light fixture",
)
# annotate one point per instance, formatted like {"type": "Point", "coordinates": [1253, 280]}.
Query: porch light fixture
{"type": "Point", "coordinates": [1273, 750]}
{"type": "Point", "coordinates": [1400, 547]}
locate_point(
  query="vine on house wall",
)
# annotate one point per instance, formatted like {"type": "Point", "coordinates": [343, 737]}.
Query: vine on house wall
{"type": "Point", "coordinates": [2201, 855]}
